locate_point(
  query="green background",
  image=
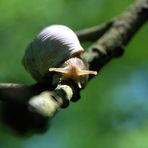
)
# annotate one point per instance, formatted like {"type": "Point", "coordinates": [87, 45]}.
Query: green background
{"type": "Point", "coordinates": [113, 109]}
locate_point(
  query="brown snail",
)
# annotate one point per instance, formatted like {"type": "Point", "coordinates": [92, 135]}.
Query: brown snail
{"type": "Point", "coordinates": [55, 55]}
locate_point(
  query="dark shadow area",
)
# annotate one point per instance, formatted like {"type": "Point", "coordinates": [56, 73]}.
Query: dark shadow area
{"type": "Point", "coordinates": [23, 121]}
{"type": "Point", "coordinates": [15, 112]}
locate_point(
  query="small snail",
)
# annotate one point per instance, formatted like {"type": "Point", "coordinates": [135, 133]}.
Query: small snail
{"type": "Point", "coordinates": [55, 55]}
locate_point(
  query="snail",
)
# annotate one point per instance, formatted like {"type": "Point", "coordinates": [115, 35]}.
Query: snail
{"type": "Point", "coordinates": [55, 55]}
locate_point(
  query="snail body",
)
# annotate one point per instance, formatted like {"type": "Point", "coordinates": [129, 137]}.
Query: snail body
{"type": "Point", "coordinates": [56, 49]}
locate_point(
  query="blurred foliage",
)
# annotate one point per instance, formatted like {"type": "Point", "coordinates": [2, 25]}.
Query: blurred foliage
{"type": "Point", "coordinates": [113, 109]}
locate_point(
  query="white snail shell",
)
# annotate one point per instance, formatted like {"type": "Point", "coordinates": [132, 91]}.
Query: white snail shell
{"type": "Point", "coordinates": [52, 46]}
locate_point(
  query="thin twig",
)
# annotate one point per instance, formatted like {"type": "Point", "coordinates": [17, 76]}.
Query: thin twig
{"type": "Point", "coordinates": [94, 33]}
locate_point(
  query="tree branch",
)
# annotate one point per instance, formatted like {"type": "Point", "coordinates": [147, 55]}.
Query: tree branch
{"type": "Point", "coordinates": [113, 42]}
{"type": "Point", "coordinates": [112, 37]}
